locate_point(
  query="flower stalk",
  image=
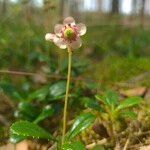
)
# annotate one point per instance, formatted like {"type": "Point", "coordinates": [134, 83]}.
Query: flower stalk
{"type": "Point", "coordinates": [67, 94]}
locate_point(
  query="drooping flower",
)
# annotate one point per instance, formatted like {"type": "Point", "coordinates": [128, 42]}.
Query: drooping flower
{"type": "Point", "coordinates": [67, 34]}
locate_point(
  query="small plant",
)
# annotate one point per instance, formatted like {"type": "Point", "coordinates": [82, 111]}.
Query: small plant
{"type": "Point", "coordinates": [66, 36]}
{"type": "Point", "coordinates": [112, 112]}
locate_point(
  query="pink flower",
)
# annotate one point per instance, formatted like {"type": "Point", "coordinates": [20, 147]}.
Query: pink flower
{"type": "Point", "coordinates": [67, 34]}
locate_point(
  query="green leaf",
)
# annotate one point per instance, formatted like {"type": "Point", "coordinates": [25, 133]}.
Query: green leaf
{"type": "Point", "coordinates": [28, 129]}
{"type": "Point", "coordinates": [11, 91]}
{"type": "Point", "coordinates": [129, 102]}
{"type": "Point", "coordinates": [111, 97]}
{"type": "Point", "coordinates": [47, 111]}
{"type": "Point", "coordinates": [58, 89]}
{"type": "Point", "coordinates": [129, 114]}
{"type": "Point", "coordinates": [98, 147]}
{"type": "Point", "coordinates": [50, 99]}
{"type": "Point", "coordinates": [14, 138]}
{"type": "Point", "coordinates": [23, 115]}
{"type": "Point", "coordinates": [92, 85]}
{"type": "Point", "coordinates": [73, 146]}
{"type": "Point", "coordinates": [91, 103]}
{"type": "Point", "coordinates": [101, 98]}
{"type": "Point", "coordinates": [39, 94]}
{"type": "Point", "coordinates": [82, 122]}
{"type": "Point", "coordinates": [28, 109]}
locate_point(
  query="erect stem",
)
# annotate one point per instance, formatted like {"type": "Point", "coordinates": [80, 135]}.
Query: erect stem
{"type": "Point", "coordinates": [67, 93]}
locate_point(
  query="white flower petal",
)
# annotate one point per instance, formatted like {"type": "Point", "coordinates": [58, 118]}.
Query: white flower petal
{"type": "Point", "coordinates": [49, 37]}
{"type": "Point", "coordinates": [69, 20]}
{"type": "Point", "coordinates": [76, 44]}
{"type": "Point", "coordinates": [60, 43]}
{"type": "Point", "coordinates": [58, 29]}
{"type": "Point", "coordinates": [82, 28]}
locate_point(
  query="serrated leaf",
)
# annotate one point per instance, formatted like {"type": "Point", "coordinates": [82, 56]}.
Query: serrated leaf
{"type": "Point", "coordinates": [81, 123]}
{"type": "Point", "coordinates": [47, 111]}
{"type": "Point", "coordinates": [28, 129]}
{"type": "Point", "coordinates": [73, 146]}
{"type": "Point", "coordinates": [129, 102]}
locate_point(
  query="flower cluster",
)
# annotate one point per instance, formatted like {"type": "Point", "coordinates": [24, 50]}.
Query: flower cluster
{"type": "Point", "coordinates": [67, 34]}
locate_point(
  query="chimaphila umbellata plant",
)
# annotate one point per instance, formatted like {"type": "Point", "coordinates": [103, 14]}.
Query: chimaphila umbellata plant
{"type": "Point", "coordinates": [66, 36]}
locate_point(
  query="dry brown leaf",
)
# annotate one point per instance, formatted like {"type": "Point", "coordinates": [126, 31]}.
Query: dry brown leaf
{"type": "Point", "coordinates": [139, 91]}
{"type": "Point", "coordinates": [147, 95]}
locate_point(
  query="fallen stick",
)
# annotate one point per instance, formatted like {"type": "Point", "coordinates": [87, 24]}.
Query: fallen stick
{"type": "Point", "coordinates": [92, 145]}
{"type": "Point", "coordinates": [126, 144]}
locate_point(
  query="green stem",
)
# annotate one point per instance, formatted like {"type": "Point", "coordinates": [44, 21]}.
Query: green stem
{"type": "Point", "coordinates": [67, 93]}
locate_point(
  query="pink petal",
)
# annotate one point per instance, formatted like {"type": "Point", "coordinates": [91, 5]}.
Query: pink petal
{"type": "Point", "coordinates": [82, 28]}
{"type": "Point", "coordinates": [76, 44]}
{"type": "Point", "coordinates": [58, 29]}
{"type": "Point", "coordinates": [60, 43]}
{"type": "Point", "coordinates": [69, 20]}
{"type": "Point", "coordinates": [49, 37]}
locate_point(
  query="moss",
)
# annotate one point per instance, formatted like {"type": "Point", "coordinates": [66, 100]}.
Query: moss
{"type": "Point", "coordinates": [118, 69]}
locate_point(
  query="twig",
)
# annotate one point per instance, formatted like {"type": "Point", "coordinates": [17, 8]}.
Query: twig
{"type": "Point", "coordinates": [38, 74]}
{"type": "Point", "coordinates": [53, 147]}
{"type": "Point", "coordinates": [101, 142]}
{"type": "Point", "coordinates": [126, 144]}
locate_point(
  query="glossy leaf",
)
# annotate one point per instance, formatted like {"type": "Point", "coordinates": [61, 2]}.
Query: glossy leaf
{"type": "Point", "coordinates": [82, 122]}
{"type": "Point", "coordinates": [14, 138]}
{"type": "Point", "coordinates": [39, 94]}
{"type": "Point", "coordinates": [23, 115]}
{"type": "Point", "coordinates": [129, 102]}
{"type": "Point", "coordinates": [73, 146]}
{"type": "Point", "coordinates": [47, 111]}
{"type": "Point", "coordinates": [58, 89]}
{"type": "Point", "coordinates": [28, 129]}
{"type": "Point", "coordinates": [28, 109]}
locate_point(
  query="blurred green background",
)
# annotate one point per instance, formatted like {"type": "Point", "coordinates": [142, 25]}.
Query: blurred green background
{"type": "Point", "coordinates": [115, 49]}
